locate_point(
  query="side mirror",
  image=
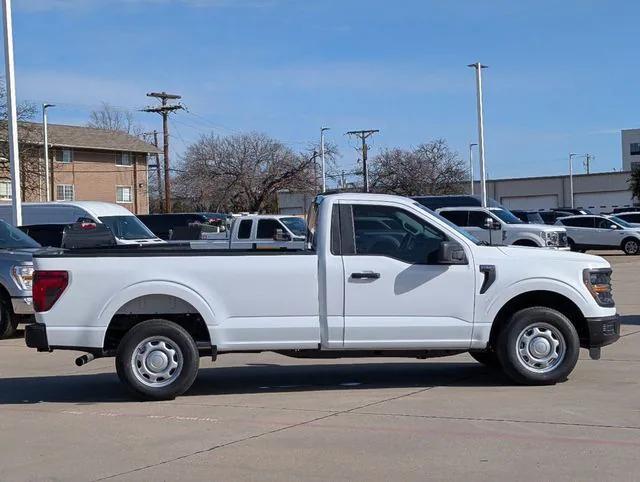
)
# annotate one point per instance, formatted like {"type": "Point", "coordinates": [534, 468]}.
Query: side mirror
{"type": "Point", "coordinates": [451, 252]}
{"type": "Point", "coordinates": [613, 226]}
{"type": "Point", "coordinates": [281, 236]}
{"type": "Point", "coordinates": [491, 223]}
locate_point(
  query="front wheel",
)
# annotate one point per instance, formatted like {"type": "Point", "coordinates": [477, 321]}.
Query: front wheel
{"type": "Point", "coordinates": [157, 360]}
{"type": "Point", "coordinates": [538, 346]}
{"type": "Point", "coordinates": [488, 358]}
{"type": "Point", "coordinates": [631, 246]}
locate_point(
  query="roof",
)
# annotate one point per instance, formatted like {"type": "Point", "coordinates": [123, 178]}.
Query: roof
{"type": "Point", "coordinates": [81, 137]}
{"type": "Point", "coordinates": [95, 208]}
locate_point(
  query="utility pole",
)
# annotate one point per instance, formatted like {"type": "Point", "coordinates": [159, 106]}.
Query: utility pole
{"type": "Point", "coordinates": [164, 110]}
{"type": "Point", "coordinates": [324, 173]}
{"type": "Point", "coordinates": [363, 135]}
{"type": "Point", "coordinates": [156, 166]}
{"type": "Point", "coordinates": [45, 143]}
{"type": "Point", "coordinates": [471, 176]}
{"type": "Point", "coordinates": [12, 115]}
{"type": "Point", "coordinates": [483, 175]}
{"type": "Point", "coordinates": [587, 162]}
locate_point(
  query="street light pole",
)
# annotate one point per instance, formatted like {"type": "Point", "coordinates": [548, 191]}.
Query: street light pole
{"type": "Point", "coordinates": [324, 174]}
{"type": "Point", "coordinates": [45, 143]}
{"type": "Point", "coordinates": [483, 175]}
{"type": "Point", "coordinates": [471, 165]}
{"type": "Point", "coordinates": [14, 158]}
{"type": "Point", "coordinates": [571, 156]}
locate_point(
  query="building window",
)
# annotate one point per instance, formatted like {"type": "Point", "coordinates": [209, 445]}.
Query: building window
{"type": "Point", "coordinates": [634, 148]}
{"type": "Point", "coordinates": [5, 190]}
{"type": "Point", "coordinates": [123, 194]}
{"type": "Point", "coordinates": [65, 156]}
{"type": "Point", "coordinates": [124, 159]}
{"type": "Point", "coordinates": [65, 192]}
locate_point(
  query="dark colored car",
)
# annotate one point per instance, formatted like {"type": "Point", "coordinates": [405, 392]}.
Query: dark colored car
{"type": "Point", "coordinates": [437, 202]}
{"type": "Point", "coordinates": [550, 217]}
{"type": "Point", "coordinates": [631, 209]}
{"type": "Point", "coordinates": [529, 217]}
{"type": "Point", "coordinates": [573, 211]}
{"type": "Point", "coordinates": [630, 216]}
{"type": "Point", "coordinates": [162, 224]}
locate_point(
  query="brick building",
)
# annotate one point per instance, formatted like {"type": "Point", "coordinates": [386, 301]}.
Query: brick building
{"type": "Point", "coordinates": [87, 164]}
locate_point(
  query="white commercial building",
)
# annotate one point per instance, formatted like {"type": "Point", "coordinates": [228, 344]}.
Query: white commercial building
{"type": "Point", "coordinates": [630, 149]}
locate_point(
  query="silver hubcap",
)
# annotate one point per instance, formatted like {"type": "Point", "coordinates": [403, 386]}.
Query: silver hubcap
{"type": "Point", "coordinates": [157, 361]}
{"type": "Point", "coordinates": [631, 247]}
{"type": "Point", "coordinates": [541, 347]}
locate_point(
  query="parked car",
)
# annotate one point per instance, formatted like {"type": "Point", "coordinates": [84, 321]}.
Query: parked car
{"type": "Point", "coordinates": [550, 217]}
{"type": "Point", "coordinates": [437, 202]}
{"type": "Point", "coordinates": [16, 270]}
{"type": "Point", "coordinates": [158, 309]}
{"type": "Point", "coordinates": [497, 226]}
{"type": "Point", "coordinates": [601, 232]}
{"type": "Point", "coordinates": [528, 217]}
{"type": "Point", "coordinates": [266, 231]}
{"type": "Point", "coordinates": [162, 225]}
{"type": "Point", "coordinates": [627, 209]}
{"type": "Point", "coordinates": [126, 227]}
{"type": "Point", "coordinates": [574, 211]}
{"type": "Point", "coordinates": [632, 217]}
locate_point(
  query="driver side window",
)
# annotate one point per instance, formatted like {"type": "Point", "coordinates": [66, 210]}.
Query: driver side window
{"type": "Point", "coordinates": [396, 233]}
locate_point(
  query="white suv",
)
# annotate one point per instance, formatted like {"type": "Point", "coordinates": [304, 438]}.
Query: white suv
{"type": "Point", "coordinates": [601, 232]}
{"type": "Point", "coordinates": [498, 226]}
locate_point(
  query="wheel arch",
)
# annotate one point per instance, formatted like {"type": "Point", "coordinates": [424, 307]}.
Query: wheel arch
{"type": "Point", "coordinates": [525, 242]}
{"type": "Point", "coordinates": [157, 299]}
{"type": "Point", "coordinates": [544, 298]}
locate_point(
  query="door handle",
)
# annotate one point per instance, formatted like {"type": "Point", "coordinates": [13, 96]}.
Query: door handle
{"type": "Point", "coordinates": [365, 275]}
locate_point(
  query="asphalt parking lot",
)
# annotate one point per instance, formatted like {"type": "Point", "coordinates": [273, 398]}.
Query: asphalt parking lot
{"type": "Point", "coordinates": [268, 417]}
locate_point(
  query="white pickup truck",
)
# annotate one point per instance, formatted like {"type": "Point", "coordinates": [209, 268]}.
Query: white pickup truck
{"type": "Point", "coordinates": [382, 276]}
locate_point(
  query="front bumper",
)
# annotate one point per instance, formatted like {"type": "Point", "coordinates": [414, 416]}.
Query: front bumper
{"type": "Point", "coordinates": [22, 306]}
{"type": "Point", "coordinates": [601, 331]}
{"type": "Point", "coordinates": [35, 336]}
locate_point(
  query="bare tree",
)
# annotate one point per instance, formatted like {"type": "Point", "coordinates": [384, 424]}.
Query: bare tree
{"type": "Point", "coordinates": [430, 168]}
{"type": "Point", "coordinates": [29, 145]}
{"type": "Point", "coordinates": [240, 173]}
{"type": "Point", "coordinates": [634, 183]}
{"type": "Point", "coordinates": [114, 119]}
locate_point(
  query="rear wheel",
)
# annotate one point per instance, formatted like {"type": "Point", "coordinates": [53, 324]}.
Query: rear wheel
{"type": "Point", "coordinates": [157, 360]}
{"type": "Point", "coordinates": [538, 346]}
{"type": "Point", "coordinates": [8, 321]}
{"type": "Point", "coordinates": [631, 246]}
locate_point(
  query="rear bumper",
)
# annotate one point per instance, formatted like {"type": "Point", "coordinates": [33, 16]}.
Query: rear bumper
{"type": "Point", "coordinates": [602, 331]}
{"type": "Point", "coordinates": [35, 336]}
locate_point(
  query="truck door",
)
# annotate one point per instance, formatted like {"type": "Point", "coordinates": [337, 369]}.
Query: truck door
{"type": "Point", "coordinates": [241, 235]}
{"type": "Point", "coordinates": [396, 296]}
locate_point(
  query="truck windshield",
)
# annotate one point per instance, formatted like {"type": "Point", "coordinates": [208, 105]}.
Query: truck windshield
{"type": "Point", "coordinates": [12, 238]}
{"type": "Point", "coordinates": [127, 227]}
{"type": "Point", "coordinates": [506, 216]}
{"type": "Point", "coordinates": [296, 225]}
{"type": "Point", "coordinates": [464, 233]}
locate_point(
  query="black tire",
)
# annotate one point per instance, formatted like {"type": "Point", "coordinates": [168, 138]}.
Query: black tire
{"type": "Point", "coordinates": [630, 246]}
{"type": "Point", "coordinates": [8, 321]}
{"type": "Point", "coordinates": [488, 358]}
{"type": "Point", "coordinates": [174, 343]}
{"type": "Point", "coordinates": [553, 327]}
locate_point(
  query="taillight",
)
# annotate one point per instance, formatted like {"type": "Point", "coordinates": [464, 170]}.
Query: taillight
{"type": "Point", "coordinates": [47, 288]}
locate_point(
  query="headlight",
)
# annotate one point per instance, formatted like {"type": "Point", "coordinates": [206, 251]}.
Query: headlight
{"type": "Point", "coordinates": [23, 276]}
{"type": "Point", "coordinates": [550, 237]}
{"type": "Point", "coordinates": [598, 282]}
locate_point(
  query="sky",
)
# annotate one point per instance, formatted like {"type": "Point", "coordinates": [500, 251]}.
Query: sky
{"type": "Point", "coordinates": [563, 76]}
